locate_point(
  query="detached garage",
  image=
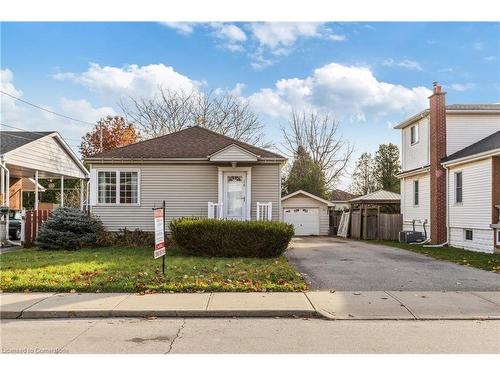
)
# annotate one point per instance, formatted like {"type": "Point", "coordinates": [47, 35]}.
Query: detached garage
{"type": "Point", "coordinates": [307, 213]}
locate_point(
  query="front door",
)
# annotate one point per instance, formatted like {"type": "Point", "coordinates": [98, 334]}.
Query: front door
{"type": "Point", "coordinates": [235, 195]}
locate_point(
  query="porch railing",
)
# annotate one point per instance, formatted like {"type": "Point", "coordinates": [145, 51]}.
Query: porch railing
{"type": "Point", "coordinates": [264, 211]}
{"type": "Point", "coordinates": [214, 210]}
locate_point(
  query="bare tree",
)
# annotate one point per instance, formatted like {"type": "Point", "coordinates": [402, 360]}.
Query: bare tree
{"type": "Point", "coordinates": [172, 111]}
{"type": "Point", "coordinates": [317, 134]}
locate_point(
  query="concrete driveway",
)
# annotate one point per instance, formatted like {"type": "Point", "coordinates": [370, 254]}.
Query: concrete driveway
{"type": "Point", "coordinates": [340, 264]}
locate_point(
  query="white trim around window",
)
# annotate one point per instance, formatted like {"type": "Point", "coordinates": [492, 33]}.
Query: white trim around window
{"type": "Point", "coordinates": [468, 235]}
{"type": "Point", "coordinates": [117, 172]}
{"type": "Point", "coordinates": [248, 171]}
{"type": "Point", "coordinates": [416, 193]}
{"type": "Point", "coordinates": [459, 190]}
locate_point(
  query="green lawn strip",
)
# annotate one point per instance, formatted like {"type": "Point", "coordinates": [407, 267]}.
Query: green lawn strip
{"type": "Point", "coordinates": [135, 270]}
{"type": "Point", "coordinates": [488, 262]}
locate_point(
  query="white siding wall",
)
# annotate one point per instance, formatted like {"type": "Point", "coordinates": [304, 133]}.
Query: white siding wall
{"type": "Point", "coordinates": [482, 240]}
{"type": "Point", "coordinates": [303, 201]}
{"type": "Point", "coordinates": [475, 210]}
{"type": "Point", "coordinates": [417, 155]}
{"type": "Point", "coordinates": [462, 130]}
{"type": "Point", "coordinates": [233, 153]}
{"type": "Point", "coordinates": [45, 154]}
{"type": "Point", "coordinates": [186, 188]}
{"type": "Point", "coordinates": [409, 210]}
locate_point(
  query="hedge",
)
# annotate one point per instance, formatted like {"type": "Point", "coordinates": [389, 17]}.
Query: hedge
{"type": "Point", "coordinates": [230, 238]}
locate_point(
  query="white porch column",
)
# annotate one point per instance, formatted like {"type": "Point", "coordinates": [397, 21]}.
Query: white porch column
{"type": "Point", "coordinates": [81, 194]}
{"type": "Point", "coordinates": [62, 191]}
{"type": "Point", "coordinates": [36, 189]}
{"type": "Point", "coordinates": [2, 186]}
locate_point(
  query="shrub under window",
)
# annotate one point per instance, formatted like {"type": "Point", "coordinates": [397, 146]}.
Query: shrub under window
{"type": "Point", "coordinates": [69, 229]}
{"type": "Point", "coordinates": [230, 238]}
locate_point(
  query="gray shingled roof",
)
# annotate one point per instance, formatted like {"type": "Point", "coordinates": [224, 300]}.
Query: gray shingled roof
{"type": "Point", "coordinates": [492, 142]}
{"type": "Point", "coordinates": [191, 143]}
{"type": "Point", "coordinates": [10, 140]}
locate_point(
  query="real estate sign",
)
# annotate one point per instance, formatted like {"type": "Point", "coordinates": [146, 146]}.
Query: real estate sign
{"type": "Point", "coordinates": [159, 217]}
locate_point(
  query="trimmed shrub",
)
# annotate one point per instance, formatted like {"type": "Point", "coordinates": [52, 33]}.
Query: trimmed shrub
{"type": "Point", "coordinates": [69, 229]}
{"type": "Point", "coordinates": [127, 238]}
{"type": "Point", "coordinates": [230, 238]}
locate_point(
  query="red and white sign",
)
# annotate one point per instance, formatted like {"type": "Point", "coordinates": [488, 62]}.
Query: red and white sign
{"type": "Point", "coordinates": [159, 233]}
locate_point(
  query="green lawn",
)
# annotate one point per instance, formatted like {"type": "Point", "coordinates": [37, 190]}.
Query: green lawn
{"type": "Point", "coordinates": [134, 270]}
{"type": "Point", "coordinates": [488, 262]}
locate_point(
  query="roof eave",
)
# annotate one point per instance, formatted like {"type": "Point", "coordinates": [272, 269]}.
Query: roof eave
{"type": "Point", "coordinates": [469, 158]}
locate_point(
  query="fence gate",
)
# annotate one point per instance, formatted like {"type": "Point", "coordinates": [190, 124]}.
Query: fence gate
{"type": "Point", "coordinates": [32, 223]}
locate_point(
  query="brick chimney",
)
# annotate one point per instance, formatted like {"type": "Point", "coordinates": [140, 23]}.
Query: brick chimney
{"type": "Point", "coordinates": [437, 144]}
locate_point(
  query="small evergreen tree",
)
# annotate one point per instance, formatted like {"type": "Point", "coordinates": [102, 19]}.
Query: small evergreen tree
{"type": "Point", "coordinates": [305, 175]}
{"type": "Point", "coordinates": [69, 229]}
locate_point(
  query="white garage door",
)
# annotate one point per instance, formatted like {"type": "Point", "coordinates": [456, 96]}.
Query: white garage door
{"type": "Point", "coordinates": [304, 220]}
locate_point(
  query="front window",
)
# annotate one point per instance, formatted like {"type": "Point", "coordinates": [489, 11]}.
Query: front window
{"type": "Point", "coordinates": [115, 187]}
{"type": "Point", "coordinates": [415, 193]}
{"type": "Point", "coordinates": [458, 187]}
{"type": "Point", "coordinates": [107, 187]}
{"type": "Point", "coordinates": [128, 187]}
{"type": "Point", "coordinates": [414, 134]}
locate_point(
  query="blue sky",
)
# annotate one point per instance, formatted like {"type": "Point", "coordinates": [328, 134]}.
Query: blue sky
{"type": "Point", "coordinates": [368, 75]}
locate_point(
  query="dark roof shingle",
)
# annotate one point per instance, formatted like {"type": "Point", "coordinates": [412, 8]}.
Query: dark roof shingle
{"type": "Point", "coordinates": [10, 140]}
{"type": "Point", "coordinates": [341, 196]}
{"type": "Point", "coordinates": [193, 142]}
{"type": "Point", "coordinates": [491, 142]}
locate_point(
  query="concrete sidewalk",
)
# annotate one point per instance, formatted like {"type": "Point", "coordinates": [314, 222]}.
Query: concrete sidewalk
{"type": "Point", "coordinates": [395, 305]}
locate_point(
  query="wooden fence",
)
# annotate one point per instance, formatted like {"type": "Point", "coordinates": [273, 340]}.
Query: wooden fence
{"type": "Point", "coordinates": [372, 225]}
{"type": "Point", "coordinates": [33, 221]}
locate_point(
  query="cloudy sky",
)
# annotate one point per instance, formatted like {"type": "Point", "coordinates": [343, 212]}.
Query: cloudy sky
{"type": "Point", "coordinates": [368, 75]}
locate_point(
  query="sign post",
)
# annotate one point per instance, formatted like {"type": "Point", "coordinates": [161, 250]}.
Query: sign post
{"type": "Point", "coordinates": [160, 248]}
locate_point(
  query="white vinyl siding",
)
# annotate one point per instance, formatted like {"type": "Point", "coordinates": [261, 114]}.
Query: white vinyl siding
{"type": "Point", "coordinates": [482, 240]}
{"type": "Point", "coordinates": [474, 212]}
{"type": "Point", "coordinates": [462, 130]}
{"type": "Point", "coordinates": [415, 155]}
{"type": "Point", "coordinates": [46, 155]}
{"type": "Point", "coordinates": [410, 211]}
{"type": "Point", "coordinates": [233, 153]}
{"type": "Point", "coordinates": [186, 189]}
{"type": "Point", "coordinates": [302, 201]}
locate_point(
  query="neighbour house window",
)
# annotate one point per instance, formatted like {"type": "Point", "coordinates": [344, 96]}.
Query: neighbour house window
{"type": "Point", "coordinates": [498, 237]}
{"type": "Point", "coordinates": [414, 134]}
{"type": "Point", "coordinates": [458, 187]}
{"type": "Point", "coordinates": [468, 235]}
{"type": "Point", "coordinates": [415, 193]}
{"type": "Point", "coordinates": [117, 187]}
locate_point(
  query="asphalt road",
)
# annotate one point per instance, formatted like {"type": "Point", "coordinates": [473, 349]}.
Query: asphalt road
{"type": "Point", "coordinates": [248, 336]}
{"type": "Point", "coordinates": [332, 263]}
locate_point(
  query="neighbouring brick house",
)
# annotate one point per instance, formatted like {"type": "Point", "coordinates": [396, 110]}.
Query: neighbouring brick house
{"type": "Point", "coordinates": [450, 179]}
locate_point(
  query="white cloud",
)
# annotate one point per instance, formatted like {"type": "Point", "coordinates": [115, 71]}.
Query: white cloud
{"type": "Point", "coordinates": [25, 117]}
{"type": "Point", "coordinates": [490, 58]}
{"type": "Point", "coordinates": [230, 35]}
{"type": "Point", "coordinates": [462, 86]}
{"type": "Point", "coordinates": [276, 34]}
{"type": "Point", "coordinates": [131, 80]}
{"type": "Point", "coordinates": [350, 92]}
{"type": "Point", "coordinates": [407, 64]}
{"type": "Point", "coordinates": [478, 46]}
{"type": "Point", "coordinates": [238, 89]}
{"type": "Point", "coordinates": [180, 27]}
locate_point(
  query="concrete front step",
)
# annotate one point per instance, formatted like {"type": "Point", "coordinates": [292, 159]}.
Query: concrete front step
{"type": "Point", "coordinates": [336, 305]}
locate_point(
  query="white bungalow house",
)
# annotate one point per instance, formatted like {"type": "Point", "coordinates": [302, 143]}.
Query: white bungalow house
{"type": "Point", "coordinates": [450, 179]}
{"type": "Point", "coordinates": [196, 171]}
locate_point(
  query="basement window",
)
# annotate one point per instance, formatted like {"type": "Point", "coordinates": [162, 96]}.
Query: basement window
{"type": "Point", "coordinates": [414, 134]}
{"type": "Point", "coordinates": [468, 235]}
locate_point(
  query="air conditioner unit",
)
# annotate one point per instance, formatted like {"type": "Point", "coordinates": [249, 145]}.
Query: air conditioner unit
{"type": "Point", "coordinates": [408, 236]}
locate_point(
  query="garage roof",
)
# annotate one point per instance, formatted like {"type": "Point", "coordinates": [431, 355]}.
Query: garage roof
{"type": "Point", "coordinates": [308, 195]}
